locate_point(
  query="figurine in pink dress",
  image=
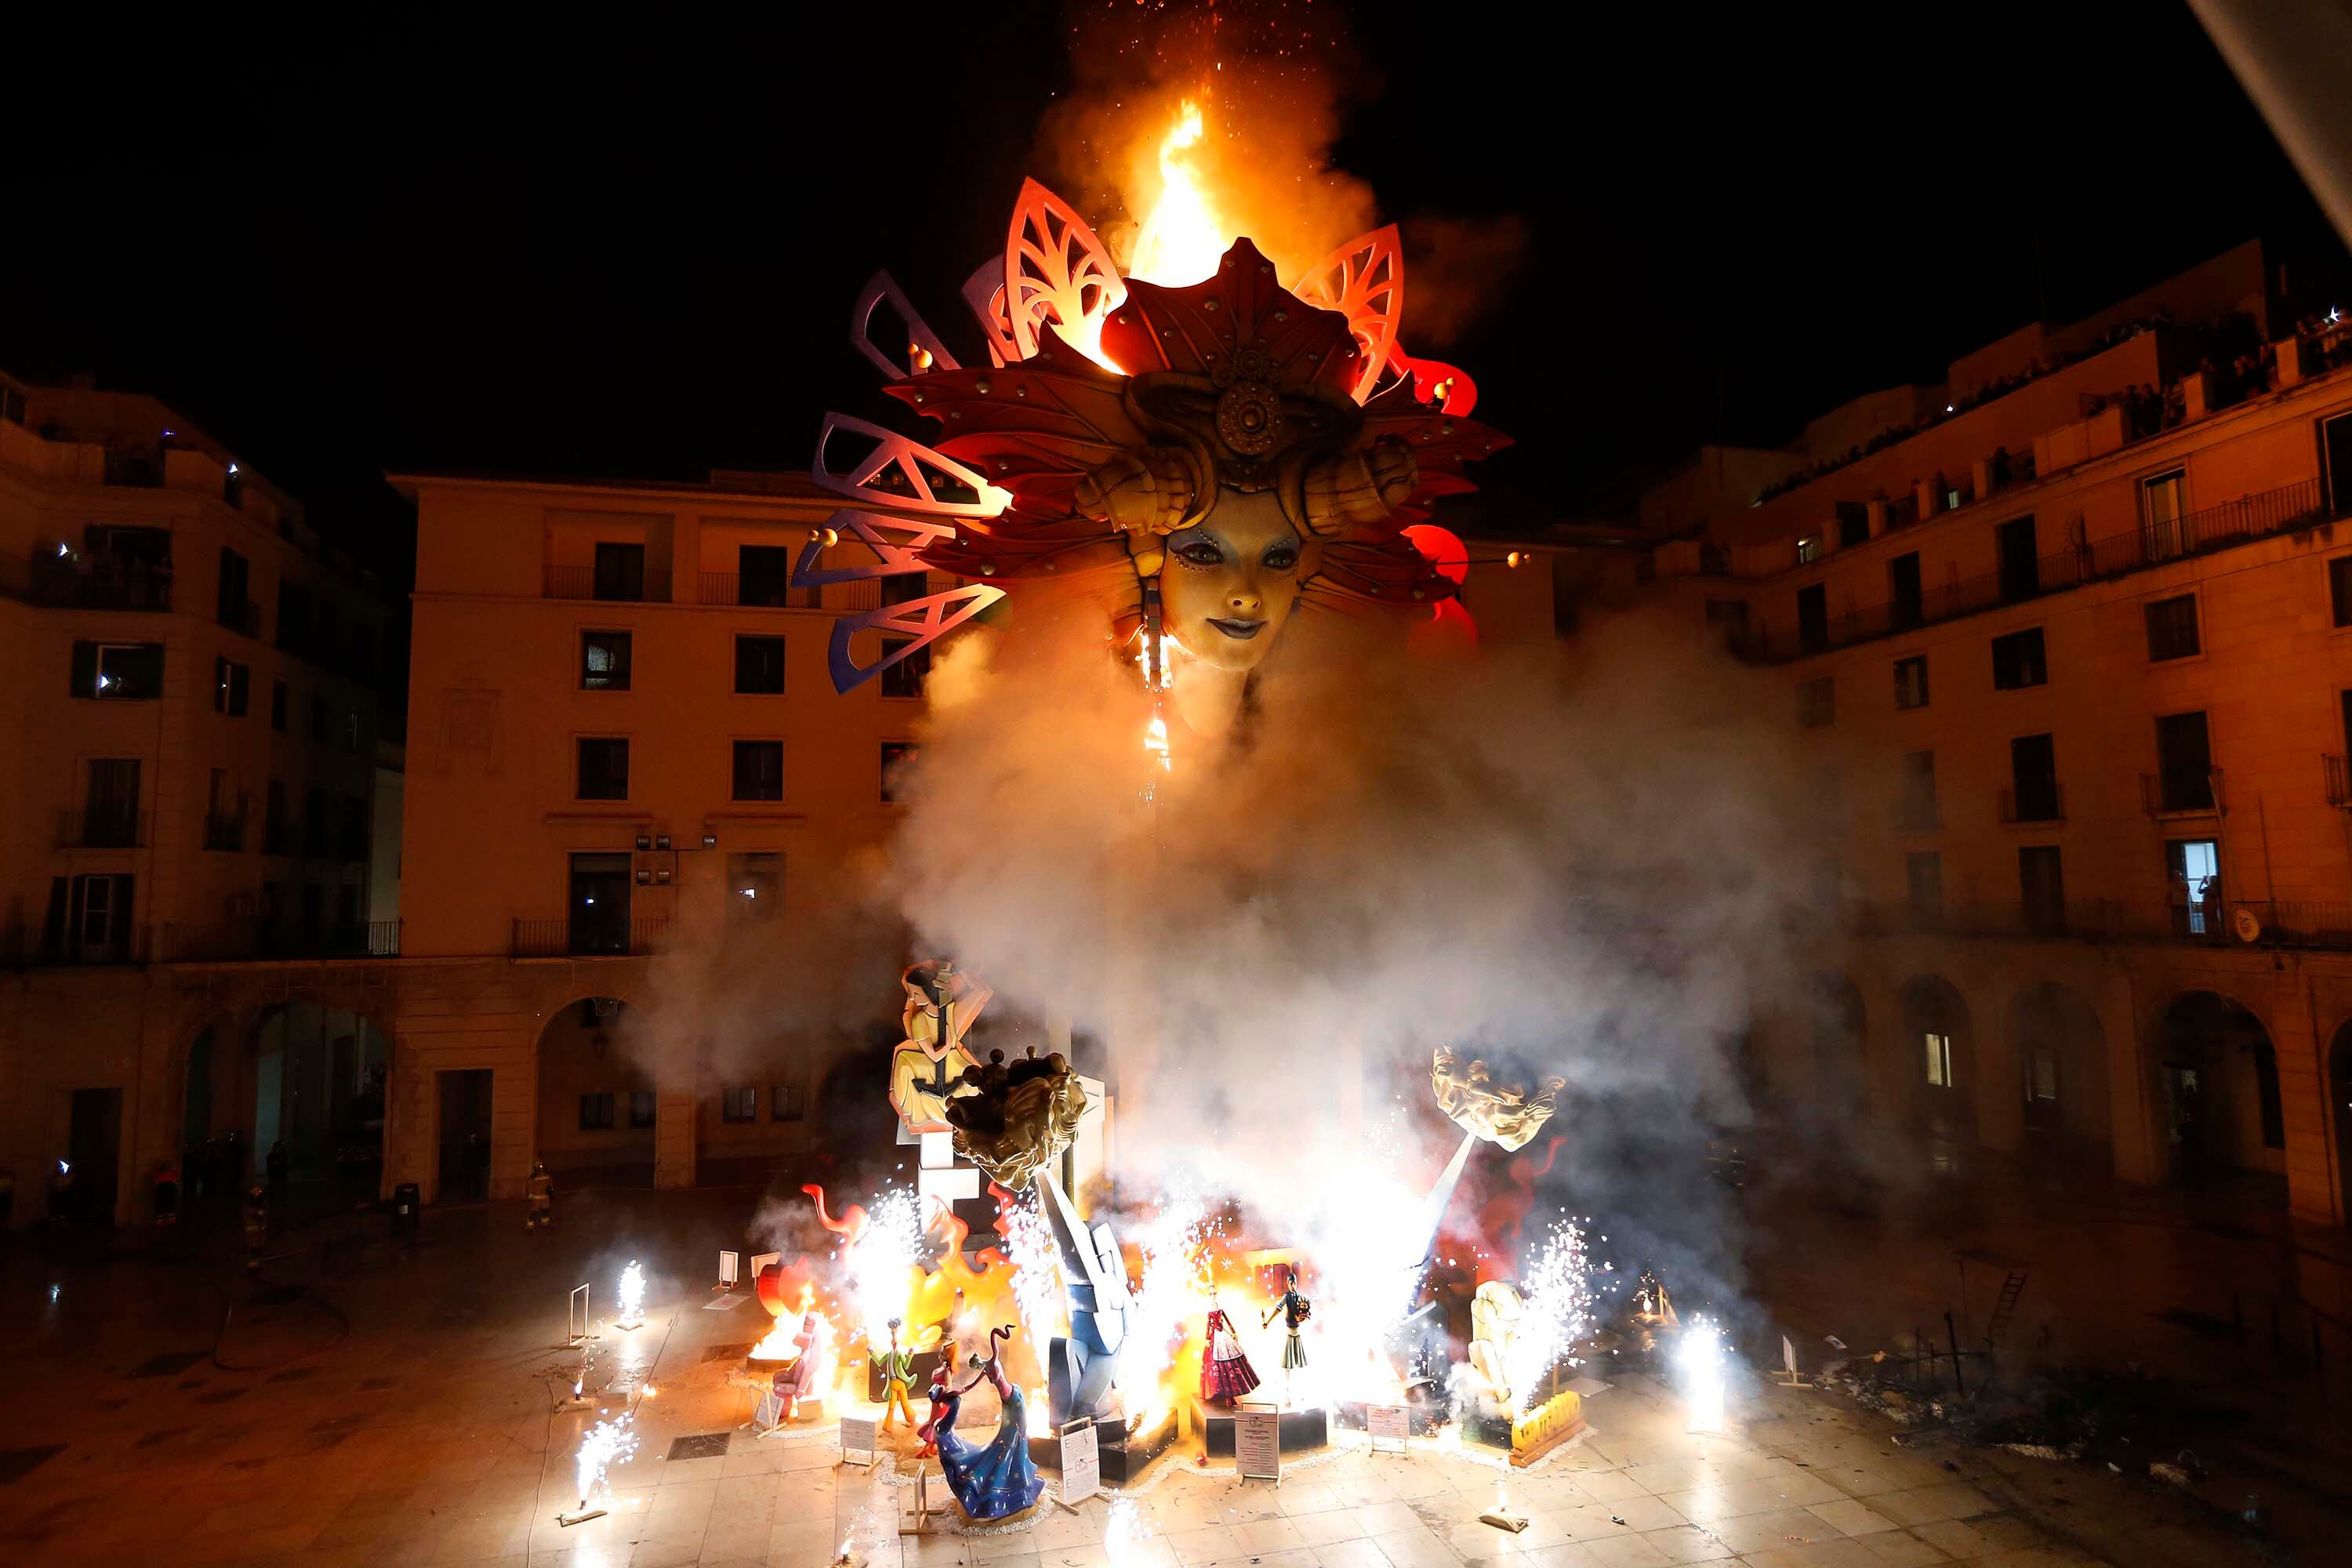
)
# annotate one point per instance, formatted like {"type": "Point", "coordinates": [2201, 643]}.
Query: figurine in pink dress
{"type": "Point", "coordinates": [1226, 1370]}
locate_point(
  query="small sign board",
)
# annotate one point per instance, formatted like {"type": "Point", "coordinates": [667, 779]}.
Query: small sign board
{"type": "Point", "coordinates": [1788, 1356]}
{"type": "Point", "coordinates": [1385, 1423]}
{"type": "Point", "coordinates": [1257, 1442]}
{"type": "Point", "coordinates": [1081, 1462]}
{"type": "Point", "coordinates": [858, 1435]}
{"type": "Point", "coordinates": [727, 1271]}
{"type": "Point", "coordinates": [769, 1415]}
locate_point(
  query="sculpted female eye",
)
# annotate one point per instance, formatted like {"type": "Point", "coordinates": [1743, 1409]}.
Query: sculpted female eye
{"type": "Point", "coordinates": [1282, 557]}
{"type": "Point", "coordinates": [1200, 553]}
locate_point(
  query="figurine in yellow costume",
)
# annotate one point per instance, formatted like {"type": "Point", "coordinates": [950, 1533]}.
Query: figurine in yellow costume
{"type": "Point", "coordinates": [898, 1369]}
{"type": "Point", "coordinates": [927, 1069]}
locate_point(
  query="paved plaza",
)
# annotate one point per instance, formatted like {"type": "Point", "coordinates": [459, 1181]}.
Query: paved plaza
{"type": "Point", "coordinates": [376, 1404]}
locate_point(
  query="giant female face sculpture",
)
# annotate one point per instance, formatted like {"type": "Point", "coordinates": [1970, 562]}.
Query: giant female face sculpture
{"type": "Point", "coordinates": [1211, 464]}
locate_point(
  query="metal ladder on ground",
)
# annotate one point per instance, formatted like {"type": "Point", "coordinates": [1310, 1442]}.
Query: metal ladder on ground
{"type": "Point", "coordinates": [2004, 1309]}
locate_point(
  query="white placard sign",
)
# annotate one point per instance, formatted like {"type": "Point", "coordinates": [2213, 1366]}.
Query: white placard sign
{"type": "Point", "coordinates": [1384, 1422]}
{"type": "Point", "coordinates": [857, 1435]}
{"type": "Point", "coordinates": [1788, 1356]}
{"type": "Point", "coordinates": [727, 1269]}
{"type": "Point", "coordinates": [769, 1413]}
{"type": "Point", "coordinates": [1081, 1463]}
{"type": "Point", "coordinates": [1258, 1443]}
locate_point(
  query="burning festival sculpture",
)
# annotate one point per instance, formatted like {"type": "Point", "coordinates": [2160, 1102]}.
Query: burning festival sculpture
{"type": "Point", "coordinates": [1197, 461]}
{"type": "Point", "coordinates": [1500, 1111]}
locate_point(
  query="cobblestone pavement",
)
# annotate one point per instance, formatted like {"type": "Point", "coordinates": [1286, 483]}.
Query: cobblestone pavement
{"type": "Point", "coordinates": [372, 1404]}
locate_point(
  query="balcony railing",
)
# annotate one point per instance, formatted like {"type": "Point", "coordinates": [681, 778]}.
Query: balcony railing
{"type": "Point", "coordinates": [728, 588]}
{"type": "Point", "coordinates": [225, 830]}
{"type": "Point", "coordinates": [254, 939]}
{"type": "Point", "coordinates": [84, 582]}
{"type": "Point", "coordinates": [650, 586]}
{"type": "Point", "coordinates": [2208, 922]}
{"type": "Point", "coordinates": [2175, 792]}
{"type": "Point", "coordinates": [2036, 803]}
{"type": "Point", "coordinates": [103, 829]}
{"type": "Point", "coordinates": [2152, 545]}
{"type": "Point", "coordinates": [589, 939]}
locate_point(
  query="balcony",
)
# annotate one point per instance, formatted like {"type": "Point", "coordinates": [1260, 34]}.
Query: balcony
{"type": "Point", "coordinates": [253, 940]}
{"type": "Point", "coordinates": [2181, 791]}
{"type": "Point", "coordinates": [110, 828]}
{"type": "Point", "coordinates": [225, 830]}
{"type": "Point", "coordinates": [87, 581]}
{"type": "Point", "coordinates": [589, 939]}
{"type": "Point", "coordinates": [728, 588]}
{"type": "Point", "coordinates": [2313, 923]}
{"type": "Point", "coordinates": [650, 586]}
{"type": "Point", "coordinates": [2233, 522]}
{"type": "Point", "coordinates": [2044, 802]}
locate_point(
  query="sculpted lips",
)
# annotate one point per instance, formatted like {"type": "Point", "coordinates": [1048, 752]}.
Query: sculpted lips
{"type": "Point", "coordinates": [1240, 631]}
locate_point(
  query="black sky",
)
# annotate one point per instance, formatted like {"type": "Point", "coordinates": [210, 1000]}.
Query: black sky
{"type": "Point", "coordinates": [549, 247]}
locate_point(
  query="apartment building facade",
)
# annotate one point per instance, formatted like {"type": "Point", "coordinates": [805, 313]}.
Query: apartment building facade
{"type": "Point", "coordinates": [191, 738]}
{"type": "Point", "coordinates": [2076, 664]}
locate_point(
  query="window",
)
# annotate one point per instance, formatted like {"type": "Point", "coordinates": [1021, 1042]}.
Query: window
{"type": "Point", "coordinates": [1939, 1059]}
{"type": "Point", "coordinates": [314, 823]}
{"type": "Point", "coordinates": [896, 756]}
{"type": "Point", "coordinates": [2042, 888]}
{"type": "Point", "coordinates": [293, 618]}
{"type": "Point", "coordinates": [2336, 442]}
{"type": "Point", "coordinates": [319, 719]}
{"type": "Point", "coordinates": [595, 1113]}
{"type": "Point", "coordinates": [2032, 781]}
{"type": "Point", "coordinates": [2340, 588]}
{"type": "Point", "coordinates": [2042, 1075]}
{"type": "Point", "coordinates": [2184, 763]}
{"type": "Point", "coordinates": [620, 572]}
{"type": "Point", "coordinates": [2172, 627]}
{"type": "Point", "coordinates": [89, 917]}
{"type": "Point", "coordinates": [760, 666]}
{"type": "Point", "coordinates": [786, 1103]}
{"type": "Point", "coordinates": [1911, 682]}
{"type": "Point", "coordinates": [1853, 522]}
{"type": "Point", "coordinates": [1923, 870]}
{"type": "Point", "coordinates": [1813, 618]}
{"type": "Point", "coordinates": [110, 818]}
{"type": "Point", "coordinates": [764, 574]}
{"type": "Point", "coordinates": [230, 688]}
{"type": "Point", "coordinates": [2018, 661]}
{"type": "Point", "coordinates": [906, 678]}
{"type": "Point", "coordinates": [2193, 875]}
{"type": "Point", "coordinates": [351, 730]}
{"type": "Point", "coordinates": [604, 768]}
{"type": "Point", "coordinates": [755, 887]}
{"type": "Point", "coordinates": [759, 770]}
{"type": "Point", "coordinates": [118, 673]}
{"type": "Point", "coordinates": [1914, 806]}
{"type": "Point", "coordinates": [234, 593]}
{"type": "Point", "coordinates": [1817, 701]}
{"type": "Point", "coordinates": [2021, 566]}
{"type": "Point", "coordinates": [642, 1107]}
{"type": "Point", "coordinates": [738, 1105]}
{"type": "Point", "coordinates": [1907, 603]}
{"type": "Point", "coordinates": [604, 661]}
{"type": "Point", "coordinates": [1808, 550]}
{"type": "Point", "coordinates": [2160, 503]}
{"type": "Point", "coordinates": [600, 903]}
{"type": "Point", "coordinates": [278, 705]}
{"type": "Point", "coordinates": [278, 831]}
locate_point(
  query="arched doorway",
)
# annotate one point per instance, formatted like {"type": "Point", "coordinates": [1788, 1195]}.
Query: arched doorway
{"type": "Point", "coordinates": [2340, 1096]}
{"type": "Point", "coordinates": [2062, 1055]}
{"type": "Point", "coordinates": [597, 1108]}
{"type": "Point", "coordinates": [1941, 1048]}
{"type": "Point", "coordinates": [2218, 1088]}
{"type": "Point", "coordinates": [319, 1079]}
{"type": "Point", "coordinates": [1841, 1068]}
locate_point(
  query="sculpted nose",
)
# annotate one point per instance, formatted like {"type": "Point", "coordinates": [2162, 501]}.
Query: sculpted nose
{"type": "Point", "coordinates": [1245, 600]}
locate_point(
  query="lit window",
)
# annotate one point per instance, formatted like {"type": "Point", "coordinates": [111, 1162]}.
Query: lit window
{"type": "Point", "coordinates": [1939, 1060]}
{"type": "Point", "coordinates": [1808, 550]}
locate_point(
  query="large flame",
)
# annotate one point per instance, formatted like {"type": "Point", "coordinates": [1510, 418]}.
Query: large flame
{"type": "Point", "coordinates": [1182, 240]}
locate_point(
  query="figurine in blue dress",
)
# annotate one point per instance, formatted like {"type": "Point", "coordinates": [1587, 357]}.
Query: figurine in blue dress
{"type": "Point", "coordinates": [997, 1481]}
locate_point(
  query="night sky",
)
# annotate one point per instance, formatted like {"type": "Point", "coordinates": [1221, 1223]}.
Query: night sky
{"type": "Point", "coordinates": [630, 252]}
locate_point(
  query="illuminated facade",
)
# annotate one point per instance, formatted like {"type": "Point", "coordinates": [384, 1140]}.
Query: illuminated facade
{"type": "Point", "coordinates": [2076, 669]}
{"type": "Point", "coordinates": [193, 746]}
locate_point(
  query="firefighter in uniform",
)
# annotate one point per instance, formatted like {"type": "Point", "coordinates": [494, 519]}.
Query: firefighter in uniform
{"type": "Point", "coordinates": [541, 1191]}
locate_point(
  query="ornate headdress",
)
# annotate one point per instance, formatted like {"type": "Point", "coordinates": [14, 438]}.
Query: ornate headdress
{"type": "Point", "coordinates": [1114, 412]}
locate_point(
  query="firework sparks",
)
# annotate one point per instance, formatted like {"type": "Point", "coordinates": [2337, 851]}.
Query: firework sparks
{"type": "Point", "coordinates": [1699, 1362]}
{"type": "Point", "coordinates": [633, 1294]}
{"type": "Point", "coordinates": [1555, 1312]}
{"type": "Point", "coordinates": [880, 1259]}
{"type": "Point", "coordinates": [1037, 1267]}
{"type": "Point", "coordinates": [607, 1444]}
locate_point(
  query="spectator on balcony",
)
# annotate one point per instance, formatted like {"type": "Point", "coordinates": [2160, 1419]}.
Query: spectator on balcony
{"type": "Point", "coordinates": [2000, 467]}
{"type": "Point", "coordinates": [2178, 896]}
